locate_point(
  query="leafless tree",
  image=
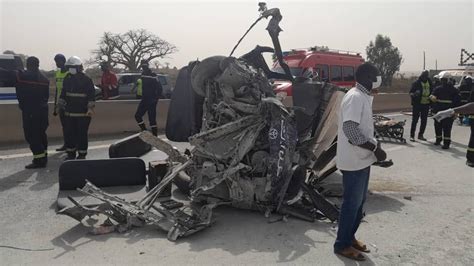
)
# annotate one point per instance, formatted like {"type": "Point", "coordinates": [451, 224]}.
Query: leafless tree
{"type": "Point", "coordinates": [130, 48]}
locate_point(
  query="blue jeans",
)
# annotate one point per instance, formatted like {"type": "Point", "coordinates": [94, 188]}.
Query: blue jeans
{"type": "Point", "coordinates": [355, 185]}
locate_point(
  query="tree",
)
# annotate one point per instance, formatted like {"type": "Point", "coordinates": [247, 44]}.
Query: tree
{"type": "Point", "coordinates": [128, 49]}
{"type": "Point", "coordinates": [386, 57]}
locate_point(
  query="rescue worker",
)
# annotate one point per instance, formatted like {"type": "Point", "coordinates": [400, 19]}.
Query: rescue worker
{"type": "Point", "coordinates": [465, 109]}
{"type": "Point", "coordinates": [78, 102]}
{"type": "Point", "coordinates": [109, 83]}
{"type": "Point", "coordinates": [60, 74]}
{"type": "Point", "coordinates": [465, 93]}
{"type": "Point", "coordinates": [444, 97]}
{"type": "Point", "coordinates": [151, 92]}
{"type": "Point", "coordinates": [420, 100]}
{"type": "Point", "coordinates": [32, 91]}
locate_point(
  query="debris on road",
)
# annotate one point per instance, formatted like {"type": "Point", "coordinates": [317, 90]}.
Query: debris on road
{"type": "Point", "coordinates": [252, 152]}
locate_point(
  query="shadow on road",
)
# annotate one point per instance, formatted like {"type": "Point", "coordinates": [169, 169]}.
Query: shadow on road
{"type": "Point", "coordinates": [43, 178]}
{"type": "Point", "coordinates": [457, 150]}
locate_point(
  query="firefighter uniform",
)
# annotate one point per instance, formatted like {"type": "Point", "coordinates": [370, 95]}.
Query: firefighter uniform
{"type": "Point", "coordinates": [446, 96]}
{"type": "Point", "coordinates": [151, 90]}
{"type": "Point", "coordinates": [32, 91]}
{"type": "Point", "coordinates": [77, 97]}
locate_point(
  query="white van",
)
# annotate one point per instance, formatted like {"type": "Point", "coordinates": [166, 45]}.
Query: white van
{"type": "Point", "coordinates": [9, 62]}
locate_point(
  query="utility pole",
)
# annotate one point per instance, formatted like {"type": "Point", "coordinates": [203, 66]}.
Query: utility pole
{"type": "Point", "coordinates": [424, 61]}
{"type": "Point", "coordinates": [436, 64]}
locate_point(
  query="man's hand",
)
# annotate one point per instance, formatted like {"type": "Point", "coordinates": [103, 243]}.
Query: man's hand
{"type": "Point", "coordinates": [443, 114]}
{"type": "Point", "coordinates": [380, 154]}
{"type": "Point", "coordinates": [90, 112]}
{"type": "Point", "coordinates": [55, 112]}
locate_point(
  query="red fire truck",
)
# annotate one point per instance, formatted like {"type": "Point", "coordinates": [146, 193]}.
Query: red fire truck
{"type": "Point", "coordinates": [330, 65]}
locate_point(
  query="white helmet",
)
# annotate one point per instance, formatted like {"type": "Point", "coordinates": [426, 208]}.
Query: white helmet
{"type": "Point", "coordinates": [74, 61]}
{"type": "Point", "coordinates": [444, 75]}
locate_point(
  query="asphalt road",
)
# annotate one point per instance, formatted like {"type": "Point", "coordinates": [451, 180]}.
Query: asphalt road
{"type": "Point", "coordinates": [419, 212]}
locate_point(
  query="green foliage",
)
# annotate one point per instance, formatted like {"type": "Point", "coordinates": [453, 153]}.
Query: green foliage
{"type": "Point", "coordinates": [386, 57]}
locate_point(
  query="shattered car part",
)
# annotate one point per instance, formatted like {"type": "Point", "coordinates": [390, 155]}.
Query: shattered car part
{"type": "Point", "coordinates": [252, 152]}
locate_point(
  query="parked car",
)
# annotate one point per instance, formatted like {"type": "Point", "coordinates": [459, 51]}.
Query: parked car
{"type": "Point", "coordinates": [126, 82]}
{"type": "Point", "coordinates": [9, 62]}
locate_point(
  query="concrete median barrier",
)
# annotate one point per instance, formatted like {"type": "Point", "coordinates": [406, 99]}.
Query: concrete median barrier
{"type": "Point", "coordinates": [114, 117]}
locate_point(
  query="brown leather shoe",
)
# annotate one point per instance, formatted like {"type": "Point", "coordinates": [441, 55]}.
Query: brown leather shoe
{"type": "Point", "coordinates": [360, 246]}
{"type": "Point", "coordinates": [351, 253]}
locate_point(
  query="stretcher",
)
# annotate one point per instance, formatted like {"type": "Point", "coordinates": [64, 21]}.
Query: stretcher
{"type": "Point", "coordinates": [387, 129]}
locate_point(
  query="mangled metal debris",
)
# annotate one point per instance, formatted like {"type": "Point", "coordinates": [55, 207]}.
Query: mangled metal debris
{"type": "Point", "coordinates": [252, 152]}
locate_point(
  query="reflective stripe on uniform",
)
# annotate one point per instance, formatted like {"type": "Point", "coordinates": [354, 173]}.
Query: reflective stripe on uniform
{"type": "Point", "coordinates": [141, 123]}
{"type": "Point", "coordinates": [75, 114]}
{"type": "Point", "coordinates": [70, 149]}
{"type": "Point", "coordinates": [38, 156]}
{"type": "Point", "coordinates": [82, 151]}
{"type": "Point", "coordinates": [445, 101]}
{"type": "Point", "coordinates": [470, 149]}
{"type": "Point", "coordinates": [447, 138]}
{"type": "Point", "coordinates": [471, 116]}
{"type": "Point", "coordinates": [72, 94]}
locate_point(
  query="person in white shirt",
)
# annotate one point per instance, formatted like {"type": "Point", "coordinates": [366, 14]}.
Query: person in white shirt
{"type": "Point", "coordinates": [357, 150]}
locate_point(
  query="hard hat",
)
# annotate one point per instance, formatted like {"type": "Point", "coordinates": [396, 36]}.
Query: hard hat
{"type": "Point", "coordinates": [74, 61]}
{"type": "Point", "coordinates": [59, 57]}
{"type": "Point", "coordinates": [444, 75]}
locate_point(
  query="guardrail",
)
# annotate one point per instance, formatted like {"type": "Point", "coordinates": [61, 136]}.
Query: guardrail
{"type": "Point", "coordinates": [117, 116]}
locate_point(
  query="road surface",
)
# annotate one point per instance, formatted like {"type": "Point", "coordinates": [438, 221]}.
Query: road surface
{"type": "Point", "coordinates": [420, 211]}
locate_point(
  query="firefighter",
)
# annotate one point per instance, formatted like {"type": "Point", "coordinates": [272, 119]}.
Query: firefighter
{"type": "Point", "coordinates": [77, 101]}
{"type": "Point", "coordinates": [465, 93]}
{"type": "Point", "coordinates": [151, 91]}
{"type": "Point", "coordinates": [60, 74]}
{"type": "Point", "coordinates": [109, 83]}
{"type": "Point", "coordinates": [420, 100]}
{"type": "Point", "coordinates": [444, 97]}
{"type": "Point", "coordinates": [465, 109]}
{"type": "Point", "coordinates": [32, 90]}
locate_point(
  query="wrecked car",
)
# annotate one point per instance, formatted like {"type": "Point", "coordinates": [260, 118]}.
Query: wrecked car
{"type": "Point", "coordinates": [248, 151]}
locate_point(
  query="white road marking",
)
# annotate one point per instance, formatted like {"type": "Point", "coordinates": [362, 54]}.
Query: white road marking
{"type": "Point", "coordinates": [21, 155]}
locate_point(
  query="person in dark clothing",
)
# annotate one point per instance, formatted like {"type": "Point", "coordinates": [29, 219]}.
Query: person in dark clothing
{"type": "Point", "coordinates": [78, 102]}
{"type": "Point", "coordinates": [151, 92]}
{"type": "Point", "coordinates": [465, 93]}
{"type": "Point", "coordinates": [59, 75]}
{"type": "Point", "coordinates": [420, 93]}
{"type": "Point", "coordinates": [444, 97]}
{"type": "Point", "coordinates": [470, 147]}
{"type": "Point", "coordinates": [32, 91]}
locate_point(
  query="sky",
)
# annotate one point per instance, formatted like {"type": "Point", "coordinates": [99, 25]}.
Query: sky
{"type": "Point", "coordinates": [205, 28]}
